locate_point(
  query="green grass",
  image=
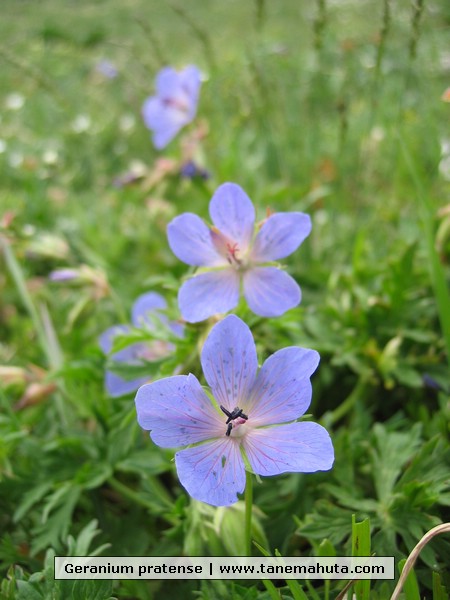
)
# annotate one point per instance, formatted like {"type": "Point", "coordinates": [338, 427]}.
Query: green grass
{"type": "Point", "coordinates": [332, 108]}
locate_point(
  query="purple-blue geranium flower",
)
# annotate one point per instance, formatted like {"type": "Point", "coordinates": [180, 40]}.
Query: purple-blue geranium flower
{"type": "Point", "coordinates": [145, 309]}
{"type": "Point", "coordinates": [174, 105]}
{"type": "Point", "coordinates": [234, 254]}
{"type": "Point", "coordinates": [106, 68]}
{"type": "Point", "coordinates": [253, 413]}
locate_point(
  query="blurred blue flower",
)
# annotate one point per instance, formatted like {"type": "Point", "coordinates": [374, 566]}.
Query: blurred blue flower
{"type": "Point", "coordinates": [145, 309]}
{"type": "Point", "coordinates": [253, 413]}
{"type": "Point", "coordinates": [234, 254]}
{"type": "Point", "coordinates": [106, 68]}
{"type": "Point", "coordinates": [64, 275]}
{"type": "Point", "coordinates": [174, 105]}
{"type": "Point", "coordinates": [190, 170]}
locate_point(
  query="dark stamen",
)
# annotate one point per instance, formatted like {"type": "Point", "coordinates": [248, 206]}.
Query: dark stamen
{"type": "Point", "coordinates": [236, 413]}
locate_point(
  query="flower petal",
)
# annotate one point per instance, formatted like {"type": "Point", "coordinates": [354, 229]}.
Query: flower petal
{"type": "Point", "coordinates": [190, 241]}
{"type": "Point", "coordinates": [230, 362]}
{"type": "Point", "coordinates": [280, 235]}
{"type": "Point", "coordinates": [117, 386]}
{"type": "Point", "coordinates": [270, 292]}
{"type": "Point", "coordinates": [167, 82]}
{"type": "Point", "coordinates": [177, 412]}
{"type": "Point", "coordinates": [146, 303]}
{"type": "Point", "coordinates": [190, 81]}
{"type": "Point", "coordinates": [164, 121]}
{"type": "Point", "coordinates": [213, 472]}
{"type": "Point", "coordinates": [208, 294]}
{"type": "Point", "coordinates": [298, 447]}
{"type": "Point", "coordinates": [282, 390]}
{"type": "Point", "coordinates": [233, 214]}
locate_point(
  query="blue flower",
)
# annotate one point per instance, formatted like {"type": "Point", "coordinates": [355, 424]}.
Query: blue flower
{"type": "Point", "coordinates": [252, 413]}
{"type": "Point", "coordinates": [106, 68]}
{"type": "Point", "coordinates": [175, 103]}
{"type": "Point", "coordinates": [145, 308]}
{"type": "Point", "coordinates": [234, 254]}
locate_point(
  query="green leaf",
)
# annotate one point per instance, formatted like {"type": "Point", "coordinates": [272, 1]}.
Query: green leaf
{"type": "Point", "coordinates": [392, 450]}
{"type": "Point", "coordinates": [410, 587]}
{"type": "Point", "coordinates": [439, 590]}
{"type": "Point", "coordinates": [293, 585]}
{"type": "Point", "coordinates": [145, 461]}
{"type": "Point", "coordinates": [361, 547]}
{"type": "Point", "coordinates": [57, 518]}
{"type": "Point", "coordinates": [27, 591]}
{"type": "Point", "coordinates": [30, 498]}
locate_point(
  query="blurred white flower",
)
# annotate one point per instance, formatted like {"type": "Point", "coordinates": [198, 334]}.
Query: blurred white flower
{"type": "Point", "coordinates": [444, 164]}
{"type": "Point", "coordinates": [15, 160]}
{"type": "Point", "coordinates": [50, 157]}
{"type": "Point", "coordinates": [127, 122]}
{"type": "Point", "coordinates": [81, 123]}
{"type": "Point", "coordinates": [14, 101]}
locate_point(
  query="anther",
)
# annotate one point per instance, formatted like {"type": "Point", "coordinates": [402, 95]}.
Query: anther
{"type": "Point", "coordinates": [236, 413]}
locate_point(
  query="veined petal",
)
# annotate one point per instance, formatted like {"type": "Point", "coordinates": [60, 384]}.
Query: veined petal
{"type": "Point", "coordinates": [270, 292]}
{"type": "Point", "coordinates": [117, 386]}
{"type": "Point", "coordinates": [146, 303]}
{"type": "Point", "coordinates": [208, 294]}
{"type": "Point", "coordinates": [190, 241]}
{"type": "Point", "coordinates": [213, 472]}
{"type": "Point", "coordinates": [233, 213]}
{"type": "Point", "coordinates": [106, 339]}
{"type": "Point", "coordinates": [298, 447]}
{"type": "Point", "coordinates": [282, 390]}
{"type": "Point", "coordinates": [280, 235]}
{"type": "Point", "coordinates": [177, 412]}
{"type": "Point", "coordinates": [230, 362]}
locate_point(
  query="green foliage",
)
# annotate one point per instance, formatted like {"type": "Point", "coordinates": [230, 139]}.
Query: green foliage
{"type": "Point", "coordinates": [309, 107]}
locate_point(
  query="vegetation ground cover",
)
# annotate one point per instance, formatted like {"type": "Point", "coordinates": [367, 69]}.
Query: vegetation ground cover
{"type": "Point", "coordinates": [333, 108]}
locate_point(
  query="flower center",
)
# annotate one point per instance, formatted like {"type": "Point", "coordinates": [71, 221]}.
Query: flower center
{"type": "Point", "coordinates": [227, 248]}
{"type": "Point", "coordinates": [234, 418]}
{"type": "Point", "coordinates": [238, 430]}
{"type": "Point", "coordinates": [176, 103]}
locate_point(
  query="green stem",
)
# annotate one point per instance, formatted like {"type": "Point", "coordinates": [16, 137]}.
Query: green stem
{"type": "Point", "coordinates": [42, 323]}
{"type": "Point", "coordinates": [437, 272]}
{"type": "Point", "coordinates": [248, 512]}
{"type": "Point", "coordinates": [19, 280]}
{"type": "Point", "coordinates": [348, 404]}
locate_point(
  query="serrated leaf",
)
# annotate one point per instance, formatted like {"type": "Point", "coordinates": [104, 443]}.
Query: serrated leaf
{"type": "Point", "coordinates": [57, 518]}
{"type": "Point", "coordinates": [27, 591]}
{"type": "Point", "coordinates": [392, 450]}
{"type": "Point", "coordinates": [92, 589]}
